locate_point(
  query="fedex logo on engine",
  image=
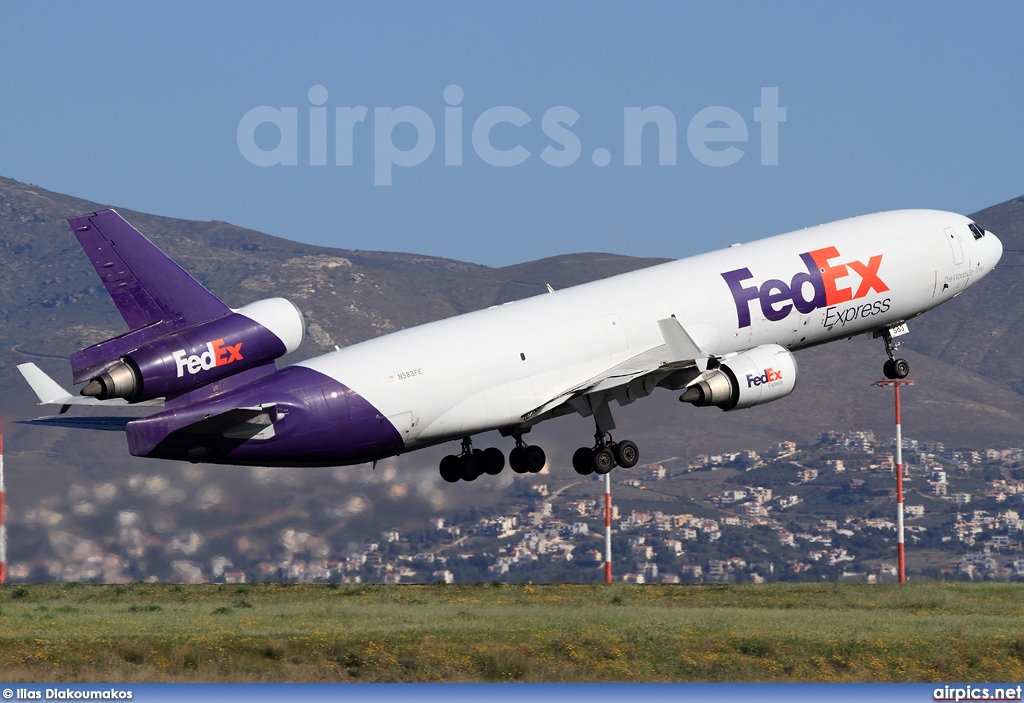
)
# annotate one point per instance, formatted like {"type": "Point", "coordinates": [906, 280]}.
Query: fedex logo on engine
{"type": "Point", "coordinates": [824, 284]}
{"type": "Point", "coordinates": [769, 376]}
{"type": "Point", "coordinates": [217, 354]}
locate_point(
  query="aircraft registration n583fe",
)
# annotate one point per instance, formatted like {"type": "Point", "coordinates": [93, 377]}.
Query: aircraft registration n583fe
{"type": "Point", "coordinates": [720, 327]}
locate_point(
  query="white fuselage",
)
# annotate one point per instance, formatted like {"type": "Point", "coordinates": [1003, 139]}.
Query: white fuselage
{"type": "Point", "coordinates": [492, 368]}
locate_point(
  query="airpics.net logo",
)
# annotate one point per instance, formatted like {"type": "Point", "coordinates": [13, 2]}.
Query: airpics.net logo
{"type": "Point", "coordinates": [714, 135]}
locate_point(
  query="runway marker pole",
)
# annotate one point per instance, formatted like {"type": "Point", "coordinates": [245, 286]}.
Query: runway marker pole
{"type": "Point", "coordinates": [900, 553]}
{"type": "Point", "coordinates": [608, 527]}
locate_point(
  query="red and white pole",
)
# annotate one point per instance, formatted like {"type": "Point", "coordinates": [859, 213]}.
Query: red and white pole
{"type": "Point", "coordinates": [899, 487]}
{"type": "Point", "coordinates": [608, 527]}
{"type": "Point", "coordinates": [900, 554]}
{"type": "Point", "coordinates": [3, 517]}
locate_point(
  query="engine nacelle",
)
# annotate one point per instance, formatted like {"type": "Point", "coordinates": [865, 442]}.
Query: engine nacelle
{"type": "Point", "coordinates": [170, 366]}
{"type": "Point", "coordinates": [759, 375]}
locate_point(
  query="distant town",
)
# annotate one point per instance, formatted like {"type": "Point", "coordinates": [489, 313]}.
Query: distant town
{"type": "Point", "coordinates": [821, 511]}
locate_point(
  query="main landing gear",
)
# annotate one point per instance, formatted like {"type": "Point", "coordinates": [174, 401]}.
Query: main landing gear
{"type": "Point", "coordinates": [893, 368]}
{"type": "Point", "coordinates": [526, 458]}
{"type": "Point", "coordinates": [605, 455]}
{"type": "Point", "coordinates": [473, 463]}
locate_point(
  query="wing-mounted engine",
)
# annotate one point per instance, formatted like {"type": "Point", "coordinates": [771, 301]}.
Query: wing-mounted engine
{"type": "Point", "coordinates": [758, 375]}
{"type": "Point", "coordinates": [177, 363]}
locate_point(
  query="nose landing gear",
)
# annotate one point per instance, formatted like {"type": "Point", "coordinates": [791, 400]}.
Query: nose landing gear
{"type": "Point", "coordinates": [893, 368]}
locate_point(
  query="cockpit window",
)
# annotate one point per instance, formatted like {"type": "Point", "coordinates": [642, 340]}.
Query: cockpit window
{"type": "Point", "coordinates": [977, 231]}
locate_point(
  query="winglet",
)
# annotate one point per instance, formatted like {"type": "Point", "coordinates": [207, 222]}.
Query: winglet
{"type": "Point", "coordinates": [680, 344]}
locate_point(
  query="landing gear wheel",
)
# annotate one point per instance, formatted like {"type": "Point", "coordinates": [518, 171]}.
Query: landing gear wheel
{"type": "Point", "coordinates": [603, 460]}
{"type": "Point", "coordinates": [583, 461]}
{"type": "Point", "coordinates": [492, 461]}
{"type": "Point", "coordinates": [894, 368]}
{"type": "Point", "coordinates": [469, 467]}
{"type": "Point", "coordinates": [626, 454]}
{"type": "Point", "coordinates": [517, 461]}
{"type": "Point", "coordinates": [888, 370]}
{"type": "Point", "coordinates": [450, 469]}
{"type": "Point", "coordinates": [535, 458]}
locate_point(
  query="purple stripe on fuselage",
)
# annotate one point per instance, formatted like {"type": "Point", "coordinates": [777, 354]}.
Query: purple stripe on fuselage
{"type": "Point", "coordinates": [317, 422]}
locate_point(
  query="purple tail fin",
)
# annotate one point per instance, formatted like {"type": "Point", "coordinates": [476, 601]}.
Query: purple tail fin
{"type": "Point", "coordinates": [153, 294]}
{"type": "Point", "coordinates": [146, 285]}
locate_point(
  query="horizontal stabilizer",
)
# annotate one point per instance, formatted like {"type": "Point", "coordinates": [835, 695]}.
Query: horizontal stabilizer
{"type": "Point", "coordinates": [85, 422]}
{"type": "Point", "coordinates": [50, 392]}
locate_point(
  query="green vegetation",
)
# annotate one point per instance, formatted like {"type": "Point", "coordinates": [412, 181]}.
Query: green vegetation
{"type": "Point", "coordinates": [500, 632]}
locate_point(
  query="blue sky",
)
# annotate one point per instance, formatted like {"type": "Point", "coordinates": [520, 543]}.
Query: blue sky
{"type": "Point", "coordinates": [888, 105]}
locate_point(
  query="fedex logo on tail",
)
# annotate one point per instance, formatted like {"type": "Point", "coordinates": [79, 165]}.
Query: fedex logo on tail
{"type": "Point", "coordinates": [769, 376]}
{"type": "Point", "coordinates": [824, 284]}
{"type": "Point", "coordinates": [217, 354]}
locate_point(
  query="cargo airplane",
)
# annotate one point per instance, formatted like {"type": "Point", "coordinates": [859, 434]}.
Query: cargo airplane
{"type": "Point", "coordinates": [720, 327]}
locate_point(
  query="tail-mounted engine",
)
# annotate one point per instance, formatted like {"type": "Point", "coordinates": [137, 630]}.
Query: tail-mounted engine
{"type": "Point", "coordinates": [759, 375]}
{"type": "Point", "coordinates": [178, 363]}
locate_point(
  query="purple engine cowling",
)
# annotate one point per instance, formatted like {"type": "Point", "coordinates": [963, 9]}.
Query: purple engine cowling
{"type": "Point", "coordinates": [175, 364]}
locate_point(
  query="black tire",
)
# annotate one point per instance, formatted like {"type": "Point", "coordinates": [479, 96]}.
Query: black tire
{"type": "Point", "coordinates": [535, 459]}
{"type": "Point", "coordinates": [627, 454]}
{"type": "Point", "coordinates": [469, 467]}
{"type": "Point", "coordinates": [517, 461]}
{"type": "Point", "coordinates": [603, 460]}
{"type": "Point", "coordinates": [450, 469]}
{"type": "Point", "coordinates": [493, 461]}
{"type": "Point", "coordinates": [901, 368]}
{"type": "Point", "coordinates": [583, 461]}
{"type": "Point", "coordinates": [887, 369]}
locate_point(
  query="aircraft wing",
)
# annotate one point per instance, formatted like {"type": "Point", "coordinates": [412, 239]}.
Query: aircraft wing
{"type": "Point", "coordinates": [637, 376]}
{"type": "Point", "coordinates": [50, 392]}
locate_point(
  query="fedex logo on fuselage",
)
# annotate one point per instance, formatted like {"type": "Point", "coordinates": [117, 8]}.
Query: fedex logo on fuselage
{"type": "Point", "coordinates": [823, 284]}
{"type": "Point", "coordinates": [217, 354]}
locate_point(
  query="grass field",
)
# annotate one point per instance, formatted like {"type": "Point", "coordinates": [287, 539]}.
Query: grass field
{"type": "Point", "coordinates": [778, 632]}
